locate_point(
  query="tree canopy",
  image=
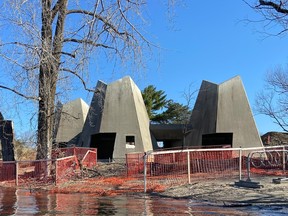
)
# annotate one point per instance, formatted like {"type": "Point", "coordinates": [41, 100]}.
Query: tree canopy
{"type": "Point", "coordinates": [154, 100]}
{"type": "Point", "coordinates": [175, 113]}
{"type": "Point", "coordinates": [161, 110]}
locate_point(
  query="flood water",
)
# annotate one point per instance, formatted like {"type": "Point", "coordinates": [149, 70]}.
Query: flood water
{"type": "Point", "coordinates": [22, 202]}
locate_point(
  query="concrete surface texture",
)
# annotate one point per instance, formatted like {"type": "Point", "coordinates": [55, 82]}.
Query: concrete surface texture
{"type": "Point", "coordinates": [72, 117]}
{"type": "Point", "coordinates": [125, 114]}
{"type": "Point", "coordinates": [117, 122]}
{"type": "Point", "coordinates": [224, 109]}
{"type": "Point", "coordinates": [234, 114]}
{"type": "Point", "coordinates": [204, 115]}
{"type": "Point", "coordinates": [94, 116]}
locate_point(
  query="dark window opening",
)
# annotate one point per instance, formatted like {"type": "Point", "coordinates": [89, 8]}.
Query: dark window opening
{"type": "Point", "coordinates": [104, 142]}
{"type": "Point", "coordinates": [130, 140]}
{"type": "Point", "coordinates": [217, 139]}
{"type": "Point", "coordinates": [168, 144]}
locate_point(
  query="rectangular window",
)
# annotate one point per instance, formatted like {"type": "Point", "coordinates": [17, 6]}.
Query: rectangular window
{"type": "Point", "coordinates": [130, 141]}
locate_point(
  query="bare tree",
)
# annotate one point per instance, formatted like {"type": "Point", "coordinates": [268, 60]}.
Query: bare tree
{"type": "Point", "coordinates": [45, 42]}
{"type": "Point", "coordinates": [189, 96]}
{"type": "Point", "coordinates": [273, 100]}
{"type": "Point", "coordinates": [274, 14]}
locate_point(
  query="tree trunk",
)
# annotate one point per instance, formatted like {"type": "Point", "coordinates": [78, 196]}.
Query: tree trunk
{"type": "Point", "coordinates": [46, 102]}
{"type": "Point", "coordinates": [48, 75]}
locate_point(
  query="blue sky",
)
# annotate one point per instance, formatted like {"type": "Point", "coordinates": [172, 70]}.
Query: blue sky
{"type": "Point", "coordinates": [205, 41]}
{"type": "Point", "coordinates": [211, 41]}
{"type": "Point", "coordinates": [214, 42]}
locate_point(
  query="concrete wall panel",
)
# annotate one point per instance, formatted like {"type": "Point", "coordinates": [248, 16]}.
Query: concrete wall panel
{"type": "Point", "coordinates": [204, 114]}
{"type": "Point", "coordinates": [94, 116]}
{"type": "Point", "coordinates": [235, 115]}
{"type": "Point", "coordinates": [125, 114]}
{"type": "Point", "coordinates": [72, 118]}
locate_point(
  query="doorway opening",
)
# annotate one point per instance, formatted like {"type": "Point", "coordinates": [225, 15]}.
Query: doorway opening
{"type": "Point", "coordinates": [217, 139]}
{"type": "Point", "coordinates": [104, 142]}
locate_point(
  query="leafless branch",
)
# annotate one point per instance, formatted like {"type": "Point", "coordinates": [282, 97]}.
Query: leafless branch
{"type": "Point", "coordinates": [133, 27]}
{"type": "Point", "coordinates": [72, 55]}
{"type": "Point", "coordinates": [80, 78]}
{"type": "Point", "coordinates": [278, 7]}
{"type": "Point", "coordinates": [20, 94]}
{"type": "Point", "coordinates": [88, 42]}
{"type": "Point", "coordinates": [97, 16]}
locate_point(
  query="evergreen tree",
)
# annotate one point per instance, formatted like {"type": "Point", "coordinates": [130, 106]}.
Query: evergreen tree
{"type": "Point", "coordinates": [154, 100]}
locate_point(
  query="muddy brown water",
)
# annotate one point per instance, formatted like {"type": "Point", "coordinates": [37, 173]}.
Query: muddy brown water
{"type": "Point", "coordinates": [23, 202]}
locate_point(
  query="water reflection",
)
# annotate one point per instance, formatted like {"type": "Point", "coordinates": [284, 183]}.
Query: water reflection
{"type": "Point", "coordinates": [8, 201]}
{"type": "Point", "coordinates": [22, 202]}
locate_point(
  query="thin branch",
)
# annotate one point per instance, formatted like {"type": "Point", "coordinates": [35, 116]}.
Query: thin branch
{"type": "Point", "coordinates": [20, 44]}
{"type": "Point", "coordinates": [88, 42]}
{"type": "Point", "coordinates": [72, 55]}
{"type": "Point", "coordinates": [132, 26]}
{"type": "Point", "coordinates": [277, 7]}
{"type": "Point", "coordinates": [20, 65]}
{"type": "Point", "coordinates": [80, 78]}
{"type": "Point", "coordinates": [68, 114]}
{"type": "Point", "coordinates": [104, 20]}
{"type": "Point", "coordinates": [20, 94]}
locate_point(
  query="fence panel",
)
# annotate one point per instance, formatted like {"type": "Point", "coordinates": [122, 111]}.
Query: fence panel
{"type": "Point", "coordinates": [135, 164]}
{"type": "Point", "coordinates": [36, 172]}
{"type": "Point", "coordinates": [70, 151]}
{"type": "Point", "coordinates": [66, 168]}
{"type": "Point", "coordinates": [182, 166]}
{"type": "Point", "coordinates": [270, 161]}
{"type": "Point", "coordinates": [47, 171]}
{"type": "Point", "coordinates": [90, 159]}
{"type": "Point", "coordinates": [7, 171]}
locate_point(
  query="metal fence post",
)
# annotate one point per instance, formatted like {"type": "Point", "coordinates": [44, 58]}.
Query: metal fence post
{"type": "Point", "coordinates": [56, 172]}
{"type": "Point", "coordinates": [145, 172]}
{"type": "Point", "coordinates": [17, 171]}
{"type": "Point", "coordinates": [240, 163]}
{"type": "Point", "coordinates": [188, 165]}
{"type": "Point", "coordinates": [284, 159]}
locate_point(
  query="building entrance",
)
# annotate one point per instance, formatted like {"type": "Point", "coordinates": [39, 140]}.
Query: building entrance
{"type": "Point", "coordinates": [104, 142]}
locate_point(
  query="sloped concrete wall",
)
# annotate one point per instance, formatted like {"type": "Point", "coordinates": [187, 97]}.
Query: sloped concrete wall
{"type": "Point", "coordinates": [125, 114]}
{"type": "Point", "coordinates": [94, 116]}
{"type": "Point", "coordinates": [72, 118]}
{"type": "Point", "coordinates": [224, 108]}
{"type": "Point", "coordinates": [204, 115]}
{"type": "Point", "coordinates": [142, 118]}
{"type": "Point", "coordinates": [234, 114]}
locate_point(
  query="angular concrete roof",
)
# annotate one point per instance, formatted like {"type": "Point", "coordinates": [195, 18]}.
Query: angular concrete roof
{"type": "Point", "coordinates": [94, 116]}
{"type": "Point", "coordinates": [224, 109]}
{"type": "Point", "coordinates": [119, 109]}
{"type": "Point", "coordinates": [72, 117]}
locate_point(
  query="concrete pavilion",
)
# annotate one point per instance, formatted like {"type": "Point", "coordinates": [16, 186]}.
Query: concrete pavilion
{"type": "Point", "coordinates": [117, 122]}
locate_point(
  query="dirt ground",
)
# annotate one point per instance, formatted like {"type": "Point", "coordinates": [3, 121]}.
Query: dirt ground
{"type": "Point", "coordinates": [221, 191]}
{"type": "Point", "coordinates": [224, 192]}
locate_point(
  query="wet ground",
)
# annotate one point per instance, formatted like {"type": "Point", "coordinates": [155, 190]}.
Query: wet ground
{"type": "Point", "coordinates": [26, 202]}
